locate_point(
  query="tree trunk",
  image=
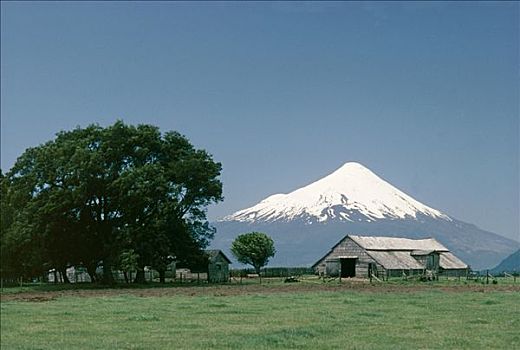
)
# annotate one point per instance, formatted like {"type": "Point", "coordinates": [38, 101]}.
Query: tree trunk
{"type": "Point", "coordinates": [108, 278]}
{"type": "Point", "coordinates": [162, 276]}
{"type": "Point", "coordinates": [106, 230]}
{"type": "Point", "coordinates": [63, 272]}
{"type": "Point", "coordinates": [91, 270]}
{"type": "Point", "coordinates": [139, 276]}
{"type": "Point", "coordinates": [257, 269]}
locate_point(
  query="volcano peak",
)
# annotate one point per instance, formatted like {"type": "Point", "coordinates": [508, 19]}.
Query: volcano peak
{"type": "Point", "coordinates": [352, 192]}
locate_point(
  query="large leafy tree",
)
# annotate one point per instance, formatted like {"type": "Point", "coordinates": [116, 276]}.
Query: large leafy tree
{"type": "Point", "coordinates": [91, 194]}
{"type": "Point", "coordinates": [254, 248]}
{"type": "Point", "coordinates": [12, 245]}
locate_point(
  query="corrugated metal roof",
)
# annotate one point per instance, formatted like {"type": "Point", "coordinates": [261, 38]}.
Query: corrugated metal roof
{"type": "Point", "coordinates": [450, 261]}
{"type": "Point", "coordinates": [213, 253]}
{"type": "Point", "coordinates": [422, 252]}
{"type": "Point", "coordinates": [396, 260]}
{"type": "Point", "coordinates": [393, 243]}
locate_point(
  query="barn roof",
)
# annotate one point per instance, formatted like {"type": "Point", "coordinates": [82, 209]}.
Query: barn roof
{"type": "Point", "coordinates": [213, 254]}
{"type": "Point", "coordinates": [396, 260]}
{"type": "Point", "coordinates": [393, 243]}
{"type": "Point", "coordinates": [449, 261]}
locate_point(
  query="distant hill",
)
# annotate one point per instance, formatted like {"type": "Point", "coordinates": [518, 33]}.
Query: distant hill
{"type": "Point", "coordinates": [509, 264]}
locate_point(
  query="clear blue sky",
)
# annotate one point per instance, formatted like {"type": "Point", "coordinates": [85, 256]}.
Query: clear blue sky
{"type": "Point", "coordinates": [424, 94]}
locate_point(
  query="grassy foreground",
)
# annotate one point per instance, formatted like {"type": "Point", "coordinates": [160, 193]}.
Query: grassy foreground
{"type": "Point", "coordinates": [343, 319]}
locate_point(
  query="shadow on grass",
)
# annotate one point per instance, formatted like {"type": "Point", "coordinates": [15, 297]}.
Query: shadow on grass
{"type": "Point", "coordinates": [51, 287]}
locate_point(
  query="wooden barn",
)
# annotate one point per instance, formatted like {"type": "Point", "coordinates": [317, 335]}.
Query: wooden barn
{"type": "Point", "coordinates": [218, 266]}
{"type": "Point", "coordinates": [362, 256]}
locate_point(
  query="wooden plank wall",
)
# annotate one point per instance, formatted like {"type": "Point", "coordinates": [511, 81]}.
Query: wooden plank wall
{"type": "Point", "coordinates": [349, 248]}
{"type": "Point", "coordinates": [218, 270]}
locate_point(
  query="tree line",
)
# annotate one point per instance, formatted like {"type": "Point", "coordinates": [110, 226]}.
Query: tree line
{"type": "Point", "coordinates": [107, 196]}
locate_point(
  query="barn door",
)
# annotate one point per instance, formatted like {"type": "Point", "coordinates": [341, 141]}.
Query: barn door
{"type": "Point", "coordinates": [348, 267]}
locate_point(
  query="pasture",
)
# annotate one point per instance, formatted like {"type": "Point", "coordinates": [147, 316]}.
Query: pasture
{"type": "Point", "coordinates": [305, 315]}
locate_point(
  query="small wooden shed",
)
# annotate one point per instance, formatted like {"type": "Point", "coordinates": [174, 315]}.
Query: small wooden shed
{"type": "Point", "coordinates": [218, 266]}
{"type": "Point", "coordinates": [363, 256]}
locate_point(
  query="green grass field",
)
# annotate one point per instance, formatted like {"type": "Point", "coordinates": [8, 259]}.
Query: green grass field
{"type": "Point", "coordinates": [273, 316]}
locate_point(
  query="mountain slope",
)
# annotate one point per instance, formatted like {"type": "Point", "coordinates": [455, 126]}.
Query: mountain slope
{"type": "Point", "coordinates": [509, 264]}
{"type": "Point", "coordinates": [308, 221]}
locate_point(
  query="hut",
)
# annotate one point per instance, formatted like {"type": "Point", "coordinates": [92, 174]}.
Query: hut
{"type": "Point", "coordinates": [218, 266]}
{"type": "Point", "coordinates": [365, 256]}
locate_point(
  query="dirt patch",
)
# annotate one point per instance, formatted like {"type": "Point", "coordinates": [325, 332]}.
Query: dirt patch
{"type": "Point", "coordinates": [249, 289]}
{"type": "Point", "coordinates": [37, 298]}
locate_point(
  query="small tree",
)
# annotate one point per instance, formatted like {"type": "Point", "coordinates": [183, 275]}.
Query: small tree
{"type": "Point", "coordinates": [128, 262]}
{"type": "Point", "coordinates": [254, 248]}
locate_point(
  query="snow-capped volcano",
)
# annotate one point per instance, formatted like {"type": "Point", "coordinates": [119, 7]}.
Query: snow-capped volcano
{"type": "Point", "coordinates": [307, 222]}
{"type": "Point", "coordinates": [351, 193]}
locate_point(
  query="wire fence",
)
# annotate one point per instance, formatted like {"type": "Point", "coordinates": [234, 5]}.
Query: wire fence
{"type": "Point", "coordinates": [273, 272]}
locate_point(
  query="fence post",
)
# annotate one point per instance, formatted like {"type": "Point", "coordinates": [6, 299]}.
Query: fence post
{"type": "Point", "coordinates": [487, 276]}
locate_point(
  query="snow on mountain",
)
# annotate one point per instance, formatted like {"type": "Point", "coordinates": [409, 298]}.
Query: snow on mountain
{"type": "Point", "coordinates": [351, 193]}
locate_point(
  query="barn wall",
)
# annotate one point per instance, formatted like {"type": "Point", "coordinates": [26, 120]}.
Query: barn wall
{"type": "Point", "coordinates": [453, 272]}
{"type": "Point", "coordinates": [430, 261]}
{"type": "Point", "coordinates": [421, 259]}
{"type": "Point", "coordinates": [329, 265]}
{"type": "Point", "coordinates": [218, 270]}
{"type": "Point", "coordinates": [436, 261]}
